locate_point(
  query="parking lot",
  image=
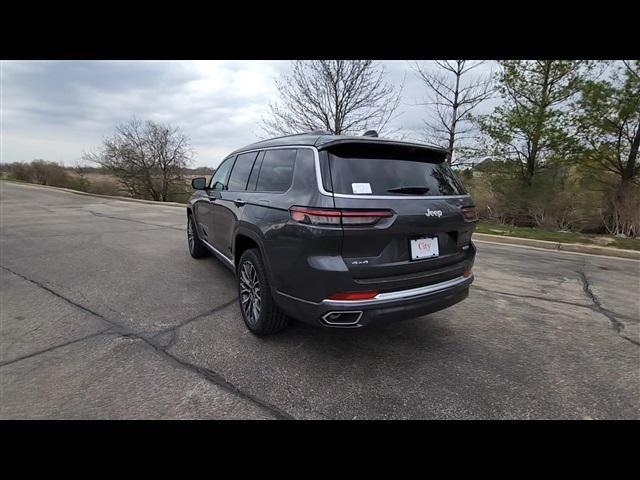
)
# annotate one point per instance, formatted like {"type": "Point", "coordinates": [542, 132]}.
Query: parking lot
{"type": "Point", "coordinates": [105, 315]}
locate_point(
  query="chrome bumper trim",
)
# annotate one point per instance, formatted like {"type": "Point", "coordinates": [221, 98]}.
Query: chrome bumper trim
{"type": "Point", "coordinates": [218, 253]}
{"type": "Point", "coordinates": [402, 294]}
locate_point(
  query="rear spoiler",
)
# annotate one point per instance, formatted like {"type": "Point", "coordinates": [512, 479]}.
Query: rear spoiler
{"type": "Point", "coordinates": [324, 142]}
{"type": "Point", "coordinates": [437, 154]}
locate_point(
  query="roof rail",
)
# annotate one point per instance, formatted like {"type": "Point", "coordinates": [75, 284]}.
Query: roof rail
{"type": "Point", "coordinates": [314, 132]}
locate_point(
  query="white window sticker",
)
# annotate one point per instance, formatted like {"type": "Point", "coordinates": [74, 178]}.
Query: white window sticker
{"type": "Point", "coordinates": [361, 188]}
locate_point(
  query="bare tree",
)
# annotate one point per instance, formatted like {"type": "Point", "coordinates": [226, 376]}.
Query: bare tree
{"type": "Point", "coordinates": [341, 96]}
{"type": "Point", "coordinates": [147, 158]}
{"type": "Point", "coordinates": [452, 94]}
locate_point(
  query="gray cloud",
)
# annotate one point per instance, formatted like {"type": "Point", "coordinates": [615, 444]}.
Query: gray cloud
{"type": "Point", "coordinates": [58, 109]}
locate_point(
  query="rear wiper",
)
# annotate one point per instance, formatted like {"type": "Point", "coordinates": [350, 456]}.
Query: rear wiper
{"type": "Point", "coordinates": [409, 190]}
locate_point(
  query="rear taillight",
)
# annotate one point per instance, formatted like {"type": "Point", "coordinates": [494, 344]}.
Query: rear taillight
{"type": "Point", "coordinates": [337, 216]}
{"type": "Point", "coordinates": [467, 272]}
{"type": "Point", "coordinates": [363, 217]}
{"type": "Point", "coordinates": [366, 295]}
{"type": "Point", "coordinates": [470, 214]}
{"type": "Point", "coordinates": [315, 216]}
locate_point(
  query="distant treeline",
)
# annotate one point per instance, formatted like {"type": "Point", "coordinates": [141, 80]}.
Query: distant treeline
{"type": "Point", "coordinates": [18, 167]}
{"type": "Point", "coordinates": [85, 178]}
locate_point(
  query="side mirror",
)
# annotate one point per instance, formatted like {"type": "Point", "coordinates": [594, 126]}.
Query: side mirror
{"type": "Point", "coordinates": [199, 183]}
{"type": "Point", "coordinates": [217, 186]}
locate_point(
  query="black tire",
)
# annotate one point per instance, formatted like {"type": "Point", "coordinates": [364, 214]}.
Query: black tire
{"type": "Point", "coordinates": [269, 318]}
{"type": "Point", "coordinates": [196, 248]}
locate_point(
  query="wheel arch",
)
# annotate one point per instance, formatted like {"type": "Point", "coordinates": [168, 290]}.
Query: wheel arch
{"type": "Point", "coordinates": [246, 238]}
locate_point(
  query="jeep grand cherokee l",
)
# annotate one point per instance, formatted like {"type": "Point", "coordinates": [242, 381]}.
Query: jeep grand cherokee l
{"type": "Point", "coordinates": [336, 231]}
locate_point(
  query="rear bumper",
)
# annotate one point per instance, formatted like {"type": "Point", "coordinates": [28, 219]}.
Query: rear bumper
{"type": "Point", "coordinates": [386, 307]}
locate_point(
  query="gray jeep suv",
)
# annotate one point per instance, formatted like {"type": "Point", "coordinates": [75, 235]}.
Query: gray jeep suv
{"type": "Point", "coordinates": [336, 231]}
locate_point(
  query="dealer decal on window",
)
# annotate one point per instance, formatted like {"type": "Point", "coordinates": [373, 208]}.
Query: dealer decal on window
{"type": "Point", "coordinates": [361, 188]}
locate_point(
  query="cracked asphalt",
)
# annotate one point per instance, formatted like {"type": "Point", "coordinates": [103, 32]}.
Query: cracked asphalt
{"type": "Point", "coordinates": [104, 315]}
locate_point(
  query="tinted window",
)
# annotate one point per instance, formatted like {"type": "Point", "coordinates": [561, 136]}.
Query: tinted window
{"type": "Point", "coordinates": [392, 171]}
{"type": "Point", "coordinates": [276, 172]}
{"type": "Point", "coordinates": [221, 175]}
{"type": "Point", "coordinates": [325, 173]}
{"type": "Point", "coordinates": [253, 179]}
{"type": "Point", "coordinates": [241, 171]}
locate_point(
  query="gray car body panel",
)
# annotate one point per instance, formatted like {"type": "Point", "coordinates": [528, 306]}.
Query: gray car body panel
{"type": "Point", "coordinates": [306, 263]}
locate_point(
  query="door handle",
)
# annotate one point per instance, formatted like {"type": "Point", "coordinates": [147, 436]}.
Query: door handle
{"type": "Point", "coordinates": [239, 202]}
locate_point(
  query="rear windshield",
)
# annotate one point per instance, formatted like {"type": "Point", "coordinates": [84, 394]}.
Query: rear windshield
{"type": "Point", "coordinates": [391, 171]}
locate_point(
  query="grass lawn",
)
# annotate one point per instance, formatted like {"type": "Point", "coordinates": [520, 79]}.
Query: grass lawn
{"type": "Point", "coordinates": [564, 237]}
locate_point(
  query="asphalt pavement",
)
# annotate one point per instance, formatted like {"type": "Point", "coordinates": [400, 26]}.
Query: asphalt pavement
{"type": "Point", "coordinates": [104, 315]}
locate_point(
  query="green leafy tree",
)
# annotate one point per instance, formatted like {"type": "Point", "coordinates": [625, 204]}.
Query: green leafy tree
{"type": "Point", "coordinates": [531, 124]}
{"type": "Point", "coordinates": [609, 121]}
{"type": "Point", "coordinates": [608, 126]}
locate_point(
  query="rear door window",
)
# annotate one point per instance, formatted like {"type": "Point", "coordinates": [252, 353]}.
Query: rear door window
{"type": "Point", "coordinates": [383, 170]}
{"type": "Point", "coordinates": [276, 171]}
{"type": "Point", "coordinates": [241, 171]}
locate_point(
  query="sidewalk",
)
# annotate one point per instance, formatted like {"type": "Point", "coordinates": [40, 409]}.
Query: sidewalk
{"type": "Point", "coordinates": [566, 247]}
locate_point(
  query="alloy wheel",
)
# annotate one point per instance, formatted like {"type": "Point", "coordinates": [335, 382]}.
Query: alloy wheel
{"type": "Point", "coordinates": [190, 235]}
{"type": "Point", "coordinates": [250, 292]}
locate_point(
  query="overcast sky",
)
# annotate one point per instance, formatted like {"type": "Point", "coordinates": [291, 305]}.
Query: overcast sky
{"type": "Point", "coordinates": [56, 110]}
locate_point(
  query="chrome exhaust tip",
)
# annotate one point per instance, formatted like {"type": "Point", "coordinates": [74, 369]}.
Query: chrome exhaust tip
{"type": "Point", "coordinates": [342, 318]}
